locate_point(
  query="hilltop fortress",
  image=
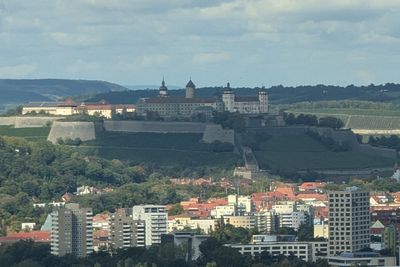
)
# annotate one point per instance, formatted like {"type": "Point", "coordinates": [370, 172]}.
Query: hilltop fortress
{"type": "Point", "coordinates": [164, 105]}
{"type": "Point", "coordinates": [172, 106]}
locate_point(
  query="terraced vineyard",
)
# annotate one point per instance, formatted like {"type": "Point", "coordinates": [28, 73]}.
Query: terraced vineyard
{"type": "Point", "coordinates": [301, 152]}
{"type": "Point", "coordinates": [353, 119]}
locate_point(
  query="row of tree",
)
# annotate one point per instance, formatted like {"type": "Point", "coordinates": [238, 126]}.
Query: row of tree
{"type": "Point", "coordinates": [214, 253]}
{"type": "Point", "coordinates": [312, 120]}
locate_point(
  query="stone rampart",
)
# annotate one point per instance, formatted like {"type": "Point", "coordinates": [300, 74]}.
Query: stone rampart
{"type": "Point", "coordinates": [215, 132]}
{"type": "Point", "coordinates": [72, 130]}
{"type": "Point", "coordinates": [154, 127]}
{"type": "Point", "coordinates": [27, 122]}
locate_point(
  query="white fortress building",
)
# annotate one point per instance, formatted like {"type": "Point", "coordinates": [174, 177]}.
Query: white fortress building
{"type": "Point", "coordinates": [191, 104]}
{"type": "Point", "coordinates": [245, 104]}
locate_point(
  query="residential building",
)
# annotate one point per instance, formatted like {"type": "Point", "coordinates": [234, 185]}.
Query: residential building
{"type": "Point", "coordinates": [72, 230]}
{"type": "Point", "coordinates": [321, 229]}
{"type": "Point", "coordinates": [155, 221]}
{"type": "Point", "coordinates": [36, 236]}
{"type": "Point", "coordinates": [222, 211]}
{"type": "Point", "coordinates": [243, 204]}
{"type": "Point", "coordinates": [266, 221]}
{"type": "Point", "coordinates": [389, 238]}
{"type": "Point", "coordinates": [126, 232]}
{"type": "Point", "coordinates": [191, 241]}
{"type": "Point", "coordinates": [349, 220]}
{"type": "Point", "coordinates": [247, 221]}
{"type": "Point", "coordinates": [292, 214]}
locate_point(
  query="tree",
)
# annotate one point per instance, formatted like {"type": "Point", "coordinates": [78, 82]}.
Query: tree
{"type": "Point", "coordinates": [175, 210]}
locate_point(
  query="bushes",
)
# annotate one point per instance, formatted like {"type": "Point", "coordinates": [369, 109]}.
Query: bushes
{"type": "Point", "coordinates": [312, 120]}
{"type": "Point", "coordinates": [329, 143]}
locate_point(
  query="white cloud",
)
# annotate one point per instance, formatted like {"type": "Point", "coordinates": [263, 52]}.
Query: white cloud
{"type": "Point", "coordinates": [75, 39]}
{"type": "Point", "coordinates": [17, 71]}
{"type": "Point", "coordinates": [210, 58]}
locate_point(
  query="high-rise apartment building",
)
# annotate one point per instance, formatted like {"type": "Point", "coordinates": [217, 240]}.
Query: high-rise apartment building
{"type": "Point", "coordinates": [349, 220]}
{"type": "Point", "coordinates": [155, 220]}
{"type": "Point", "coordinates": [72, 230]}
{"type": "Point", "coordinates": [126, 232]}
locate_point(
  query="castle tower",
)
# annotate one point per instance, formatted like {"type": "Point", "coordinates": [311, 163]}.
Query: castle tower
{"type": "Point", "coordinates": [163, 91]}
{"type": "Point", "coordinates": [190, 89]}
{"type": "Point", "coordinates": [263, 99]}
{"type": "Point", "coordinates": [228, 97]}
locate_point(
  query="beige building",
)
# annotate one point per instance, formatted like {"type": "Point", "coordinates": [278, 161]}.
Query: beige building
{"type": "Point", "coordinates": [180, 223]}
{"type": "Point", "coordinates": [247, 222]}
{"type": "Point", "coordinates": [65, 108]}
{"type": "Point", "coordinates": [321, 230]}
{"type": "Point", "coordinates": [349, 220]}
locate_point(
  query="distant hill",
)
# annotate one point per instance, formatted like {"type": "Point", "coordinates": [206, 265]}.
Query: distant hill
{"type": "Point", "coordinates": [15, 91]}
{"type": "Point", "coordinates": [278, 94]}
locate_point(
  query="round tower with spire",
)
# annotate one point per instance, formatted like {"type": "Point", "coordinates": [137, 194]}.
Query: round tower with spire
{"type": "Point", "coordinates": [163, 91]}
{"type": "Point", "coordinates": [190, 87]}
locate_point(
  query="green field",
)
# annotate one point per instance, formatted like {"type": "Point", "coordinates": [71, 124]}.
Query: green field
{"type": "Point", "coordinates": [28, 133]}
{"type": "Point", "coordinates": [169, 149]}
{"type": "Point", "coordinates": [301, 152]}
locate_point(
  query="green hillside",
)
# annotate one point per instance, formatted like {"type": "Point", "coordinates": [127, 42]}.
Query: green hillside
{"type": "Point", "coordinates": [39, 133]}
{"type": "Point", "coordinates": [17, 91]}
{"type": "Point", "coordinates": [163, 149]}
{"type": "Point", "coordinates": [301, 152]}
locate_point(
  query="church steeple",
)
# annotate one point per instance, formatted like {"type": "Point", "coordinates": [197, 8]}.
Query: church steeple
{"type": "Point", "coordinates": [163, 91]}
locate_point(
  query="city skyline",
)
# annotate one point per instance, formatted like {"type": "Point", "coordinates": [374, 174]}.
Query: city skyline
{"type": "Point", "coordinates": [246, 43]}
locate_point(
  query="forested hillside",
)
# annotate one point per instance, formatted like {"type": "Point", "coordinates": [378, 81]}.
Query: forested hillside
{"type": "Point", "coordinates": [25, 90]}
{"type": "Point", "coordinates": [37, 171]}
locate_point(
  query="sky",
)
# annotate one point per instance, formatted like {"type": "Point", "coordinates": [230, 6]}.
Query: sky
{"type": "Point", "coordinates": [245, 42]}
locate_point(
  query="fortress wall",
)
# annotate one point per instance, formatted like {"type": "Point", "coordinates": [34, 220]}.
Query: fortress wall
{"type": "Point", "coordinates": [385, 152]}
{"type": "Point", "coordinates": [214, 132]}
{"type": "Point", "coordinates": [5, 121]}
{"type": "Point", "coordinates": [154, 127]}
{"type": "Point", "coordinates": [83, 130]}
{"type": "Point", "coordinates": [26, 122]}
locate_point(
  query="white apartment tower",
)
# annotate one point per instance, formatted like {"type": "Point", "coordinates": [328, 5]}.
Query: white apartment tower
{"type": "Point", "coordinates": [349, 220]}
{"type": "Point", "coordinates": [155, 220]}
{"type": "Point", "coordinates": [72, 231]}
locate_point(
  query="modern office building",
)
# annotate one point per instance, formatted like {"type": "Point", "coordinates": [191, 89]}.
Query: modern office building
{"type": "Point", "coordinates": [307, 251]}
{"type": "Point", "coordinates": [126, 232]}
{"type": "Point", "coordinates": [72, 230]}
{"type": "Point", "coordinates": [155, 222]}
{"type": "Point", "coordinates": [349, 220]}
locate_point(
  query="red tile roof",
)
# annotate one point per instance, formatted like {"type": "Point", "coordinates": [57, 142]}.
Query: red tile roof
{"type": "Point", "coordinates": [36, 236]}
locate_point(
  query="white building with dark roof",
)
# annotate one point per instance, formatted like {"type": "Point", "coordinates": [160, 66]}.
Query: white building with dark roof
{"type": "Point", "coordinates": [189, 105]}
